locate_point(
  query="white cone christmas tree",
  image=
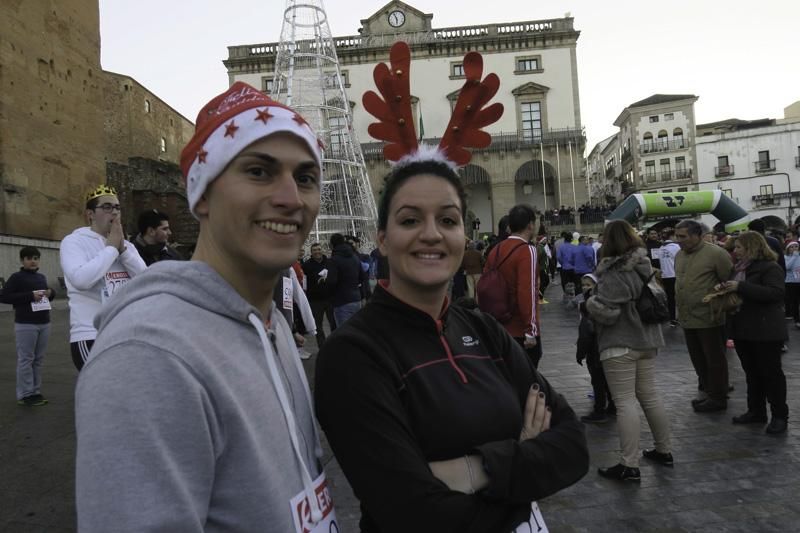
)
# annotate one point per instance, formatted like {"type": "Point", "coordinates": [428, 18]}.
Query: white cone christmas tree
{"type": "Point", "coordinates": [308, 78]}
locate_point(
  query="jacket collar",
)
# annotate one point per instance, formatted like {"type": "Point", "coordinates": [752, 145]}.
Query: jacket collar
{"type": "Point", "coordinates": [384, 297]}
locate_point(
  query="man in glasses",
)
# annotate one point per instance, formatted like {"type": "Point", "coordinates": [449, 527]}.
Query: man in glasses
{"type": "Point", "coordinates": [97, 261]}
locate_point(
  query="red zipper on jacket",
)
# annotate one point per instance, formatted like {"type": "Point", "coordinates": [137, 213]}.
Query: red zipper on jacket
{"type": "Point", "coordinates": [440, 331]}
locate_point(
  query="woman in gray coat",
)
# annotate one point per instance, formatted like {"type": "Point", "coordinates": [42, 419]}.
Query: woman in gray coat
{"type": "Point", "coordinates": [628, 348]}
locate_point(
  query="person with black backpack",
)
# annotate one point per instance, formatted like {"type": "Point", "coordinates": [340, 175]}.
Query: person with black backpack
{"type": "Point", "coordinates": [628, 344]}
{"type": "Point", "coordinates": [509, 286]}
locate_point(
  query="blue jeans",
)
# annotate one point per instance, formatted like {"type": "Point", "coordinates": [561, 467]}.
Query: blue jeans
{"type": "Point", "coordinates": [31, 344]}
{"type": "Point", "coordinates": [343, 312]}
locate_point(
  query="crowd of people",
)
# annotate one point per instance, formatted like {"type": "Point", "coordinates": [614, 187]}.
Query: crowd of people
{"type": "Point", "coordinates": [193, 410]}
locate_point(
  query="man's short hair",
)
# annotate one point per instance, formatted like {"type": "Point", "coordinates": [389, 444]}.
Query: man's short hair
{"type": "Point", "coordinates": [337, 239]}
{"type": "Point", "coordinates": [151, 219]}
{"type": "Point", "coordinates": [693, 227]}
{"type": "Point", "coordinates": [757, 225]}
{"type": "Point", "coordinates": [520, 216]}
{"type": "Point", "coordinates": [315, 244]}
{"type": "Point", "coordinates": [29, 251]}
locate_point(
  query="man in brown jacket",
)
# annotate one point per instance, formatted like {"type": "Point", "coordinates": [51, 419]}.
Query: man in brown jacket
{"type": "Point", "coordinates": [699, 266]}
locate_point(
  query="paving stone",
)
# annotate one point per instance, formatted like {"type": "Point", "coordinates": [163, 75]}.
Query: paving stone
{"type": "Point", "coordinates": [726, 478]}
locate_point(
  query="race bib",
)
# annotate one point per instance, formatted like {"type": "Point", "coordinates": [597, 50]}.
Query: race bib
{"type": "Point", "coordinates": [288, 288]}
{"type": "Point", "coordinates": [114, 281]}
{"type": "Point", "coordinates": [41, 305]}
{"type": "Point", "coordinates": [301, 510]}
{"type": "Point", "coordinates": [535, 523]}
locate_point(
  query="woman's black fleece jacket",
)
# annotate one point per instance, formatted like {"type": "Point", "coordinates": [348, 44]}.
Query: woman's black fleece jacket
{"type": "Point", "coordinates": [396, 389]}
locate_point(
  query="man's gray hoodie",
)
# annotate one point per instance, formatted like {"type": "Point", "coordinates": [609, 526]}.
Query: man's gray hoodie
{"type": "Point", "coordinates": [190, 416]}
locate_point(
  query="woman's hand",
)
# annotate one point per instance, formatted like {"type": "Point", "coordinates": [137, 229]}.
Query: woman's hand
{"type": "Point", "coordinates": [727, 286]}
{"type": "Point", "coordinates": [536, 417]}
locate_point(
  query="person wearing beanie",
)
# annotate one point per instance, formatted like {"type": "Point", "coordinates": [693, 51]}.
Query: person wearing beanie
{"type": "Point", "coordinates": [97, 262]}
{"type": "Point", "coordinates": [194, 412]}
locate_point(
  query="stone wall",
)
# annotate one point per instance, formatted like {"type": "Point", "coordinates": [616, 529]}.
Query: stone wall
{"type": "Point", "coordinates": [146, 184]}
{"type": "Point", "coordinates": [139, 124]}
{"type": "Point", "coordinates": [51, 124]}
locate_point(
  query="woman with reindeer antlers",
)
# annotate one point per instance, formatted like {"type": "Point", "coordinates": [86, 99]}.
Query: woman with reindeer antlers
{"type": "Point", "coordinates": [437, 417]}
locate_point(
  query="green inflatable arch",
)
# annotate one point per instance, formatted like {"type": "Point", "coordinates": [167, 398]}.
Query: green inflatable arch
{"type": "Point", "coordinates": [637, 206]}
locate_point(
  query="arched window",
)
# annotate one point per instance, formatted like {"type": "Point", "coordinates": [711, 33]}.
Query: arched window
{"type": "Point", "coordinates": [663, 141]}
{"type": "Point", "coordinates": [147, 106]}
{"type": "Point", "coordinates": [647, 145]}
{"type": "Point", "coordinates": [677, 134]}
{"type": "Point", "coordinates": [163, 145]}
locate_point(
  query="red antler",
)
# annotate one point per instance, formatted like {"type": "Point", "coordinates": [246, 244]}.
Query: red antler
{"type": "Point", "coordinates": [396, 125]}
{"type": "Point", "coordinates": [464, 129]}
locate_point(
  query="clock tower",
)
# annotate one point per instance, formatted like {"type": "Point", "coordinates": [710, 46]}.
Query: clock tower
{"type": "Point", "coordinates": [396, 17]}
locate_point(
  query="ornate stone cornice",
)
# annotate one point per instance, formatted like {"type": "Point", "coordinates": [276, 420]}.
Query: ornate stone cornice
{"type": "Point", "coordinates": [444, 42]}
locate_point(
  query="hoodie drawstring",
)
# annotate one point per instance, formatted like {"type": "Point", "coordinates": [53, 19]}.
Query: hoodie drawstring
{"type": "Point", "coordinates": [308, 485]}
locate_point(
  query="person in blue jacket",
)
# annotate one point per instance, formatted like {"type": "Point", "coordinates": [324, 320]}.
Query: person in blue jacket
{"type": "Point", "coordinates": [28, 292]}
{"type": "Point", "coordinates": [583, 259]}
{"type": "Point", "coordinates": [566, 258]}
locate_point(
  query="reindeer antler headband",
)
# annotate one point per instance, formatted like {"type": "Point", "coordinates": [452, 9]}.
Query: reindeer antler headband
{"type": "Point", "coordinates": [396, 125]}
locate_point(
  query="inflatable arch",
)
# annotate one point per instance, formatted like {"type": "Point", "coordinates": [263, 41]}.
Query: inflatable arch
{"type": "Point", "coordinates": [637, 206]}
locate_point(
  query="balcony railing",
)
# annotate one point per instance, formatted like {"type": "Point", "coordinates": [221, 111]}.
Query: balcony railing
{"type": "Point", "coordinates": [610, 171]}
{"type": "Point", "coordinates": [667, 175]}
{"type": "Point", "coordinates": [765, 165]}
{"type": "Point", "coordinates": [452, 34]}
{"type": "Point", "coordinates": [727, 170]}
{"type": "Point", "coordinates": [626, 155]}
{"type": "Point", "coordinates": [663, 146]}
{"type": "Point", "coordinates": [503, 142]}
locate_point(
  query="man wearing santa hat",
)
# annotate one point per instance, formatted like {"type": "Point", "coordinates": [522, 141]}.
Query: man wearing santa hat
{"type": "Point", "coordinates": [193, 413]}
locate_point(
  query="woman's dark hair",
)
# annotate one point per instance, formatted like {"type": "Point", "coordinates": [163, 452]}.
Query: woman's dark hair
{"type": "Point", "coordinates": [397, 177]}
{"type": "Point", "coordinates": [619, 237]}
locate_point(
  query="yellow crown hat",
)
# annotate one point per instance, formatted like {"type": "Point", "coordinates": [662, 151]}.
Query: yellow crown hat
{"type": "Point", "coordinates": [101, 190]}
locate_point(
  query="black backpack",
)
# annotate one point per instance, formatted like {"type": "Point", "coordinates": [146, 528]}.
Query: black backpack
{"type": "Point", "coordinates": [492, 290]}
{"type": "Point", "coordinates": [652, 302]}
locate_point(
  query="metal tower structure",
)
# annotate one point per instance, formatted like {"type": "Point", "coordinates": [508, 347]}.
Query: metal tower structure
{"type": "Point", "coordinates": [308, 78]}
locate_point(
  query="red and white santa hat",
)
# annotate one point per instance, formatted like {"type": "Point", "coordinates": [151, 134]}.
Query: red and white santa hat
{"type": "Point", "coordinates": [227, 125]}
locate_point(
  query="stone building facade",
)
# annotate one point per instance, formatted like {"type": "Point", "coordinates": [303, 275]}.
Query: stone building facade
{"type": "Point", "coordinates": [756, 163]}
{"type": "Point", "coordinates": [536, 155]}
{"type": "Point", "coordinates": [62, 119]}
{"type": "Point", "coordinates": [51, 121]}
{"type": "Point", "coordinates": [657, 144]}
{"type": "Point", "coordinates": [138, 123]}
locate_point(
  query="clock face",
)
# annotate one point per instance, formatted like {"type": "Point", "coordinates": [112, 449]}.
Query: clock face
{"type": "Point", "coordinates": [396, 19]}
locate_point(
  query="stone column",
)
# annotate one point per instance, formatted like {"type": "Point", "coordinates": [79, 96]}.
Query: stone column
{"type": "Point", "coordinates": [503, 199]}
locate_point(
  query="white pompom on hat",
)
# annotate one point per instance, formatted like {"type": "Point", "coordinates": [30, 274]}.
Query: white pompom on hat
{"type": "Point", "coordinates": [231, 122]}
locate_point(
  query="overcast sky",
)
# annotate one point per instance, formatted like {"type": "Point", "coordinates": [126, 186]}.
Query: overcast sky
{"type": "Point", "coordinates": [739, 57]}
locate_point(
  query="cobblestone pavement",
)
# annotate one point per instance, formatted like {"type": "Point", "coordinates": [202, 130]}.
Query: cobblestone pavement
{"type": "Point", "coordinates": [726, 478]}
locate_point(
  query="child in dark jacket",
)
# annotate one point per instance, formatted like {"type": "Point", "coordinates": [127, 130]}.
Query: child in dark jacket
{"type": "Point", "coordinates": [28, 292]}
{"type": "Point", "coordinates": [588, 350]}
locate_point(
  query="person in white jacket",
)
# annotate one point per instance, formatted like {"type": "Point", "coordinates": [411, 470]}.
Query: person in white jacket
{"type": "Point", "coordinates": [97, 261]}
